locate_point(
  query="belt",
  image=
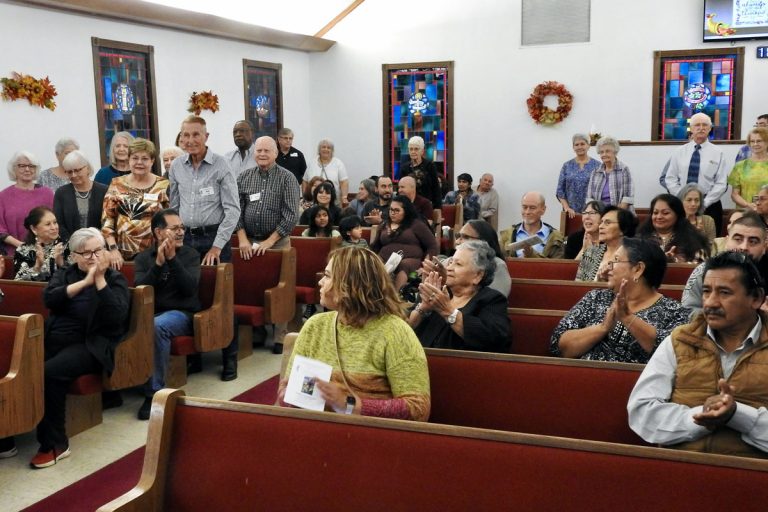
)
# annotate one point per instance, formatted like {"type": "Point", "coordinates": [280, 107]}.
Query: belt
{"type": "Point", "coordinates": [203, 230]}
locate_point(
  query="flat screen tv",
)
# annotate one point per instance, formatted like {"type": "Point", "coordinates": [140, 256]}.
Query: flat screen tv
{"type": "Point", "coordinates": [732, 20]}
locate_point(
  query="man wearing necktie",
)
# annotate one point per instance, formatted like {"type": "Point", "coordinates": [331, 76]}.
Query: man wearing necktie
{"type": "Point", "coordinates": [701, 162]}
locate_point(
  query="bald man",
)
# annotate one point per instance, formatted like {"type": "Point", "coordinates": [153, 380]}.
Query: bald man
{"type": "Point", "coordinates": [407, 187]}
{"type": "Point", "coordinates": [701, 162]}
{"type": "Point", "coordinates": [552, 243]}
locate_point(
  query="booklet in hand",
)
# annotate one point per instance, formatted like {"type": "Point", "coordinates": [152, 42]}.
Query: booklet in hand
{"type": "Point", "coordinates": [301, 390]}
{"type": "Point", "coordinates": [528, 242]}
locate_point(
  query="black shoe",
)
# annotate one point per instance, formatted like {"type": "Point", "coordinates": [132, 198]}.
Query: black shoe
{"type": "Point", "coordinates": [259, 336]}
{"type": "Point", "coordinates": [8, 448]}
{"type": "Point", "coordinates": [229, 372]}
{"type": "Point", "coordinates": [111, 399]}
{"type": "Point", "coordinates": [194, 363]}
{"type": "Point", "coordinates": [277, 348]}
{"type": "Point", "coordinates": [145, 409]}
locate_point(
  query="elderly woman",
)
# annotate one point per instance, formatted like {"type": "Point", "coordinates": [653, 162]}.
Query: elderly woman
{"type": "Point", "coordinates": [626, 321]}
{"type": "Point", "coordinates": [324, 195]}
{"type": "Point", "coordinates": [465, 314]}
{"type": "Point", "coordinates": [404, 232]}
{"type": "Point", "coordinates": [574, 176]}
{"type": "Point", "coordinates": [365, 193]}
{"type": "Point", "coordinates": [579, 241]}
{"type": "Point", "coordinates": [750, 174]}
{"type": "Point", "coordinates": [130, 203]}
{"type": "Point", "coordinates": [615, 224]}
{"type": "Point", "coordinates": [78, 204]}
{"type": "Point", "coordinates": [43, 252]}
{"type": "Point", "coordinates": [89, 305]}
{"type": "Point", "coordinates": [429, 181]}
{"type": "Point", "coordinates": [330, 169]}
{"type": "Point", "coordinates": [118, 159]}
{"type": "Point", "coordinates": [56, 177]}
{"type": "Point", "coordinates": [379, 368]}
{"type": "Point", "coordinates": [168, 155]}
{"type": "Point", "coordinates": [693, 204]}
{"type": "Point", "coordinates": [611, 183]}
{"type": "Point", "coordinates": [17, 200]}
{"type": "Point", "coordinates": [668, 227]}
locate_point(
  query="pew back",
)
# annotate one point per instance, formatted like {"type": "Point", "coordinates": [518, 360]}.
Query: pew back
{"type": "Point", "coordinates": [561, 294]}
{"type": "Point", "coordinates": [22, 297]}
{"type": "Point", "coordinates": [531, 329]}
{"type": "Point", "coordinates": [267, 290]}
{"type": "Point", "coordinates": [311, 259]}
{"type": "Point", "coordinates": [336, 462]}
{"type": "Point", "coordinates": [543, 268]}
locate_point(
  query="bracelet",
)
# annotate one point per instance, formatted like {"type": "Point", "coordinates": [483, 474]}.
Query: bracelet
{"type": "Point", "coordinates": [421, 311]}
{"type": "Point", "coordinates": [634, 317]}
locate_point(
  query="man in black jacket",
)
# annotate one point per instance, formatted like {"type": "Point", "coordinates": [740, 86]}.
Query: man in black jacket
{"type": "Point", "coordinates": [173, 269]}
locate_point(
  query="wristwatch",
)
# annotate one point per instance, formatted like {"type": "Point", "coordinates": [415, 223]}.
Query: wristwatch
{"type": "Point", "coordinates": [452, 317]}
{"type": "Point", "coordinates": [351, 402]}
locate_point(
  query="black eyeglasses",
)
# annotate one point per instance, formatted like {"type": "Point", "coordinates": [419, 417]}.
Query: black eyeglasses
{"type": "Point", "coordinates": [89, 254]}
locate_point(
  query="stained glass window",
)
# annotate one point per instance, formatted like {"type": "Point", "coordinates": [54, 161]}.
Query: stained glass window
{"type": "Point", "coordinates": [125, 93]}
{"type": "Point", "coordinates": [693, 81]}
{"type": "Point", "coordinates": [263, 96]}
{"type": "Point", "coordinates": [418, 100]}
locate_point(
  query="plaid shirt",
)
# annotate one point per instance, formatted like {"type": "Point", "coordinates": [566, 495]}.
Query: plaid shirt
{"type": "Point", "coordinates": [269, 202]}
{"type": "Point", "coordinates": [620, 187]}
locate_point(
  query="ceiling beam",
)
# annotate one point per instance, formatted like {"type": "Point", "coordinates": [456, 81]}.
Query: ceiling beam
{"type": "Point", "coordinates": [343, 14]}
{"type": "Point", "coordinates": [146, 13]}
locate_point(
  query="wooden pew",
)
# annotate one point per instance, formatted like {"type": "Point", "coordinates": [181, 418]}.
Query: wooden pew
{"type": "Point", "coordinates": [212, 326]}
{"type": "Point", "coordinates": [304, 460]}
{"type": "Point", "coordinates": [453, 217]}
{"type": "Point", "coordinates": [544, 268]}
{"type": "Point", "coordinates": [298, 229]}
{"type": "Point", "coordinates": [8, 268]}
{"type": "Point", "coordinates": [267, 290]}
{"type": "Point", "coordinates": [311, 259]}
{"type": "Point", "coordinates": [561, 294]}
{"type": "Point", "coordinates": [531, 329]}
{"type": "Point", "coordinates": [21, 373]}
{"type": "Point", "coordinates": [133, 356]}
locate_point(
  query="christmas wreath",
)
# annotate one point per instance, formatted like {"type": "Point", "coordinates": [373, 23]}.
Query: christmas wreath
{"type": "Point", "coordinates": [545, 115]}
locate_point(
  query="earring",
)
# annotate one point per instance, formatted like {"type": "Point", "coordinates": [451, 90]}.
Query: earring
{"type": "Point", "coordinates": [636, 279]}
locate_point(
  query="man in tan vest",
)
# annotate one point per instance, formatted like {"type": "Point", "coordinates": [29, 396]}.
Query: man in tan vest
{"type": "Point", "coordinates": [706, 386]}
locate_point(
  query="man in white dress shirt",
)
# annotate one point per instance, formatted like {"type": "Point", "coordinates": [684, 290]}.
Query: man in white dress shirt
{"type": "Point", "coordinates": [701, 162]}
{"type": "Point", "coordinates": [706, 386]}
{"type": "Point", "coordinates": [241, 158]}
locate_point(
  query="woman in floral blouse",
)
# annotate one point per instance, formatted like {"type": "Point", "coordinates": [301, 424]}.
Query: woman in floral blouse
{"type": "Point", "coordinates": [42, 252]}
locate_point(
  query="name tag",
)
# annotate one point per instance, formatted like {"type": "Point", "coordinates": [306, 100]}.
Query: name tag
{"type": "Point", "coordinates": [255, 197]}
{"type": "Point", "coordinates": [206, 191]}
{"type": "Point", "coordinates": [151, 197]}
{"type": "Point", "coordinates": [295, 154]}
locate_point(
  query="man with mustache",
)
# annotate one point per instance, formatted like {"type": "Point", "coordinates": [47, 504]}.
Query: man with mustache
{"type": "Point", "coordinates": [173, 269]}
{"type": "Point", "coordinates": [706, 387]}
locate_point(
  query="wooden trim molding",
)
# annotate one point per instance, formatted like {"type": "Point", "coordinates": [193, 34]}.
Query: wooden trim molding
{"type": "Point", "coordinates": [146, 13]}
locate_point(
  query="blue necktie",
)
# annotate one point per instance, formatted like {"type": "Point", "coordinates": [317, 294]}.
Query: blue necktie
{"type": "Point", "coordinates": [693, 167]}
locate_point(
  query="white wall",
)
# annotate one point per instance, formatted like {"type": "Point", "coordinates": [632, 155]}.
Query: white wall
{"type": "Point", "coordinates": [492, 129]}
{"type": "Point", "coordinates": [40, 42]}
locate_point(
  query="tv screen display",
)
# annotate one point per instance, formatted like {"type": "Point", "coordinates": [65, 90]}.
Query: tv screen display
{"type": "Point", "coordinates": [729, 20]}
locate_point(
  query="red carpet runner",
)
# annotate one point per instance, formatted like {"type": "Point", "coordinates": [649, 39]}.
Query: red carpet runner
{"type": "Point", "coordinates": [122, 475]}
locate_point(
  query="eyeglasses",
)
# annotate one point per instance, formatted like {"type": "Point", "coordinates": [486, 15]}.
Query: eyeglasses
{"type": "Point", "coordinates": [589, 212]}
{"type": "Point", "coordinates": [90, 254]}
{"type": "Point", "coordinates": [26, 166]}
{"type": "Point", "coordinates": [612, 264]}
{"type": "Point", "coordinates": [462, 236]}
{"type": "Point", "coordinates": [72, 172]}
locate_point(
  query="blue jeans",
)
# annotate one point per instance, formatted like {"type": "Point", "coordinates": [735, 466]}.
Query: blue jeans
{"type": "Point", "coordinates": [167, 325]}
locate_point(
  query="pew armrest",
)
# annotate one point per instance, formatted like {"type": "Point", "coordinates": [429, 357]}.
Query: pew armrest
{"type": "Point", "coordinates": [280, 300]}
{"type": "Point", "coordinates": [214, 327]}
{"type": "Point", "coordinates": [21, 389]}
{"type": "Point", "coordinates": [134, 355]}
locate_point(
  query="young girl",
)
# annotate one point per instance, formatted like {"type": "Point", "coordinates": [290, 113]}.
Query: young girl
{"type": "Point", "coordinates": [319, 223]}
{"type": "Point", "coordinates": [351, 229]}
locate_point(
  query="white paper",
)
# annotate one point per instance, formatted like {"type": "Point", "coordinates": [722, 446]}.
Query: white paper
{"type": "Point", "coordinates": [528, 242]}
{"type": "Point", "coordinates": [301, 390]}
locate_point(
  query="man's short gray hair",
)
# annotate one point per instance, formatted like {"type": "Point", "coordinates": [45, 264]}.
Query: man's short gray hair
{"type": "Point", "coordinates": [700, 115]}
{"type": "Point", "coordinates": [483, 259]}
{"type": "Point", "coordinates": [81, 236]}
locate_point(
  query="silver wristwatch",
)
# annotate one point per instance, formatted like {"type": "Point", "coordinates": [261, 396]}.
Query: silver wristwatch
{"type": "Point", "coordinates": [452, 317]}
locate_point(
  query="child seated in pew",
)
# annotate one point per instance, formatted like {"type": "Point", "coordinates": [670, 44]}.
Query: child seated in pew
{"type": "Point", "coordinates": [319, 223]}
{"type": "Point", "coordinates": [351, 229]}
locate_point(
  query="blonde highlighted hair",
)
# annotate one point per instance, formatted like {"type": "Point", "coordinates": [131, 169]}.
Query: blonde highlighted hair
{"type": "Point", "coordinates": [361, 286]}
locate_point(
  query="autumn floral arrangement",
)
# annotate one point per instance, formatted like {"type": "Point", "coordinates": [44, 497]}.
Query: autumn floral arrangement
{"type": "Point", "coordinates": [36, 91]}
{"type": "Point", "coordinates": [205, 100]}
{"type": "Point", "coordinates": [545, 115]}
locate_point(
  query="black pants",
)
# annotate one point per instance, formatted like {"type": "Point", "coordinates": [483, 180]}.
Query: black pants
{"type": "Point", "coordinates": [715, 210]}
{"type": "Point", "coordinates": [203, 244]}
{"type": "Point", "coordinates": [61, 369]}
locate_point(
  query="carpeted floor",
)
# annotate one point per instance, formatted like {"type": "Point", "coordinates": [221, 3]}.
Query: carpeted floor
{"type": "Point", "coordinates": [122, 475]}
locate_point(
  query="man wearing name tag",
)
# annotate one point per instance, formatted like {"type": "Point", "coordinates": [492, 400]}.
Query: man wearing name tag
{"type": "Point", "coordinates": [204, 192]}
{"type": "Point", "coordinates": [241, 158]}
{"type": "Point", "coordinates": [552, 242]}
{"type": "Point", "coordinates": [269, 206]}
{"type": "Point", "coordinates": [288, 157]}
{"type": "Point", "coordinates": [701, 162]}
